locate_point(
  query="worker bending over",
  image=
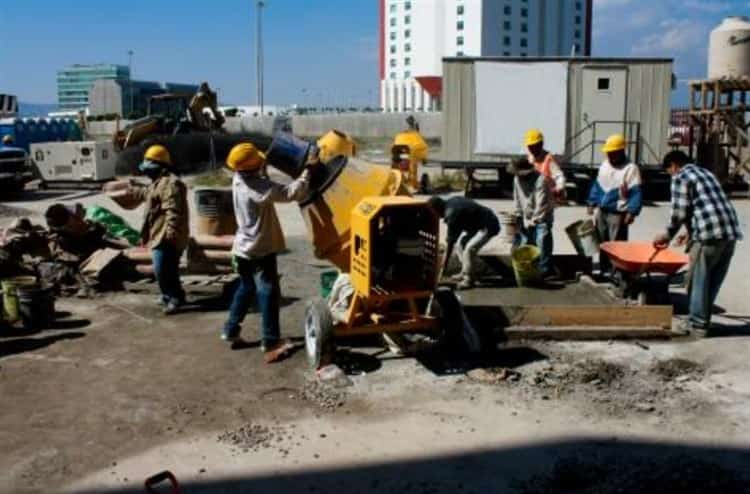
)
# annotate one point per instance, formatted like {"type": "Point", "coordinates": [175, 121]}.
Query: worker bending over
{"type": "Point", "coordinates": [166, 224]}
{"type": "Point", "coordinates": [700, 204]}
{"type": "Point", "coordinates": [615, 196]}
{"type": "Point", "coordinates": [534, 210]}
{"type": "Point", "coordinates": [258, 240]}
{"type": "Point", "coordinates": [546, 164]}
{"type": "Point", "coordinates": [474, 224]}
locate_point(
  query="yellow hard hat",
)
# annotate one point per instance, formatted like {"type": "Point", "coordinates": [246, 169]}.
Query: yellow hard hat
{"type": "Point", "coordinates": [533, 136]}
{"type": "Point", "coordinates": [245, 157]}
{"type": "Point", "coordinates": [336, 143]}
{"type": "Point", "coordinates": [615, 142]}
{"type": "Point", "coordinates": [158, 154]}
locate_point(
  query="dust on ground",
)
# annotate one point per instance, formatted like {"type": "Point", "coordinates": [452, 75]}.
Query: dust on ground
{"type": "Point", "coordinates": [253, 437]}
{"type": "Point", "coordinates": [678, 368]}
{"type": "Point", "coordinates": [322, 396]}
{"type": "Point", "coordinates": [601, 386]}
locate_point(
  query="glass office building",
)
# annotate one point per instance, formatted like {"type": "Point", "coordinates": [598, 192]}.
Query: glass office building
{"type": "Point", "coordinates": [74, 83]}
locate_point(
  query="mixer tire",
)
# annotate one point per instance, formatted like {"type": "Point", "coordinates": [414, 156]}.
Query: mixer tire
{"type": "Point", "coordinates": [319, 341]}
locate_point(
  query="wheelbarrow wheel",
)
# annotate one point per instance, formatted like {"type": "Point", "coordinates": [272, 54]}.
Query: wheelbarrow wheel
{"type": "Point", "coordinates": [319, 342]}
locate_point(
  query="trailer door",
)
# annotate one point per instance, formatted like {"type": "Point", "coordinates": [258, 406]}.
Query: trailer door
{"type": "Point", "coordinates": [604, 91]}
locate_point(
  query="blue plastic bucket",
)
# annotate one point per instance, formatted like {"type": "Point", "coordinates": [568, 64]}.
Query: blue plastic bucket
{"type": "Point", "coordinates": [288, 153]}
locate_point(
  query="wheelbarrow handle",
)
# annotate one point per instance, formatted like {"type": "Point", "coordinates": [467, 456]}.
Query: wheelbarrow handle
{"type": "Point", "coordinates": [158, 479]}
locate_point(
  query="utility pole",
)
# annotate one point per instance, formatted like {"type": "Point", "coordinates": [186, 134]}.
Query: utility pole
{"type": "Point", "coordinates": [260, 4]}
{"type": "Point", "coordinates": [130, 82]}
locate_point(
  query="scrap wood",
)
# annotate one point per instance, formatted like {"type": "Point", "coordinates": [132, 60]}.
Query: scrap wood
{"type": "Point", "coordinates": [99, 261]}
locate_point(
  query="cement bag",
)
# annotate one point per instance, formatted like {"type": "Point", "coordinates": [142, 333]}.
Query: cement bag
{"type": "Point", "coordinates": [115, 225]}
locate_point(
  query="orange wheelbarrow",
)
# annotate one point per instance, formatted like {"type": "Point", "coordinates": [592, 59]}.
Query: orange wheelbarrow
{"type": "Point", "coordinates": [636, 262]}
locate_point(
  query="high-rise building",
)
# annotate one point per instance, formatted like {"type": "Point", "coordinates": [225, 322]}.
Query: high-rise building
{"type": "Point", "coordinates": [74, 82]}
{"type": "Point", "coordinates": [415, 35]}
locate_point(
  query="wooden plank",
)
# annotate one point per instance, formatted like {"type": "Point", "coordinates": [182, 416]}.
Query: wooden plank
{"type": "Point", "coordinates": [647, 316]}
{"type": "Point", "coordinates": [583, 333]}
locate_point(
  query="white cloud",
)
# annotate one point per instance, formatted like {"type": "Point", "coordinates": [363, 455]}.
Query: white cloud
{"type": "Point", "coordinates": [673, 37]}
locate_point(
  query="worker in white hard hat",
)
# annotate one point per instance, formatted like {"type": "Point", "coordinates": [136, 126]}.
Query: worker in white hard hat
{"type": "Point", "coordinates": [615, 197]}
{"type": "Point", "coordinates": [259, 239]}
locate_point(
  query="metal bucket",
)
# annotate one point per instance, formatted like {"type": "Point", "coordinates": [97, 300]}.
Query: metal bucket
{"type": "Point", "coordinates": [584, 237]}
{"type": "Point", "coordinates": [215, 212]}
{"type": "Point", "coordinates": [36, 306]}
{"type": "Point", "coordinates": [508, 227]}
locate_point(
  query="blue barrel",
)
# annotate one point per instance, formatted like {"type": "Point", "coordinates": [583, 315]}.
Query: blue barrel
{"type": "Point", "coordinates": [43, 131]}
{"type": "Point", "coordinates": [288, 153]}
{"type": "Point", "coordinates": [55, 133]}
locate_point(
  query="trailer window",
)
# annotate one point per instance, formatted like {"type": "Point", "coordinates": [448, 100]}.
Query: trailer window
{"type": "Point", "coordinates": [603, 83]}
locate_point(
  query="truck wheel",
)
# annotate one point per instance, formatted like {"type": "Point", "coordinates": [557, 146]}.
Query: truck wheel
{"type": "Point", "coordinates": [319, 342]}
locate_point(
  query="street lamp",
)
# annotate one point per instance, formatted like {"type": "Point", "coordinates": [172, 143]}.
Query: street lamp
{"type": "Point", "coordinates": [130, 81]}
{"type": "Point", "coordinates": [260, 4]}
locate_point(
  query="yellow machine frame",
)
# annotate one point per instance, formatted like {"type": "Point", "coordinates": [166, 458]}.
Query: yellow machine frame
{"type": "Point", "coordinates": [371, 310]}
{"type": "Point", "coordinates": [418, 153]}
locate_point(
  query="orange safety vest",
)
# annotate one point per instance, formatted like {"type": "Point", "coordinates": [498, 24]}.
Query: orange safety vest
{"type": "Point", "coordinates": [545, 167]}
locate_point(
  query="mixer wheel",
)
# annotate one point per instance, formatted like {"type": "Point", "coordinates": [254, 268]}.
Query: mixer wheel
{"type": "Point", "coordinates": [319, 341]}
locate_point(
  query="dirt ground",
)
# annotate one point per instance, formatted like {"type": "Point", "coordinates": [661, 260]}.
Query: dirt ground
{"type": "Point", "coordinates": [116, 393]}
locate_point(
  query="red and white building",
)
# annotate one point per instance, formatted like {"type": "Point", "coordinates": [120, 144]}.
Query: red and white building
{"type": "Point", "coordinates": [415, 35]}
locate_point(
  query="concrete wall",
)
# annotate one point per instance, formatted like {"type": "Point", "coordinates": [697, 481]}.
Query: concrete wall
{"type": "Point", "coordinates": [366, 125]}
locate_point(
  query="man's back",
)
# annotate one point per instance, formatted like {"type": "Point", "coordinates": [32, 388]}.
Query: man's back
{"type": "Point", "coordinates": [698, 192]}
{"type": "Point", "coordinates": [469, 216]}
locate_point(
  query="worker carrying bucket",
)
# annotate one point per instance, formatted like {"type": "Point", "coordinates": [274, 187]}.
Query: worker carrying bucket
{"type": "Point", "coordinates": [409, 150]}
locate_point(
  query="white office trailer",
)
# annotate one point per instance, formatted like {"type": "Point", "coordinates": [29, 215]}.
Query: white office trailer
{"type": "Point", "coordinates": [74, 161]}
{"type": "Point", "coordinates": [489, 103]}
{"type": "Point", "coordinates": [415, 35]}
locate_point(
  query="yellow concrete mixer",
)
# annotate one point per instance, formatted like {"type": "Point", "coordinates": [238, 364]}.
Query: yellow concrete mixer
{"type": "Point", "coordinates": [361, 218]}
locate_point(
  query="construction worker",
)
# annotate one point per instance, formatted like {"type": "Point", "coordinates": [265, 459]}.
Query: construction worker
{"type": "Point", "coordinates": [534, 209]}
{"type": "Point", "coordinates": [474, 224]}
{"type": "Point", "coordinates": [166, 224]}
{"type": "Point", "coordinates": [545, 163]}
{"type": "Point", "coordinates": [258, 240]}
{"type": "Point", "coordinates": [713, 229]}
{"type": "Point", "coordinates": [615, 196]}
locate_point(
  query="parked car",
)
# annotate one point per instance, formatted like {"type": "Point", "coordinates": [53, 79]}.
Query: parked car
{"type": "Point", "coordinates": [15, 171]}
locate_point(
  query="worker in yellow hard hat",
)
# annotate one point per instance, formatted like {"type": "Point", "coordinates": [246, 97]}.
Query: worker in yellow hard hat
{"type": "Point", "coordinates": [259, 239]}
{"type": "Point", "coordinates": [616, 196]}
{"type": "Point", "coordinates": [545, 163]}
{"type": "Point", "coordinates": [166, 223]}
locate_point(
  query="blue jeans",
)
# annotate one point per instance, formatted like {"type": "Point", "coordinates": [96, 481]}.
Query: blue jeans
{"type": "Point", "coordinates": [541, 236]}
{"type": "Point", "coordinates": [166, 259]}
{"type": "Point", "coordinates": [259, 278]}
{"type": "Point", "coordinates": [709, 265]}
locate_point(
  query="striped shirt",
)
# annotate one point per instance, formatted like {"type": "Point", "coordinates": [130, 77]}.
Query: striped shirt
{"type": "Point", "coordinates": [699, 202]}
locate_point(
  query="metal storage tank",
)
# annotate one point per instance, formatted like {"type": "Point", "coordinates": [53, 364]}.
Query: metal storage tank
{"type": "Point", "coordinates": [729, 49]}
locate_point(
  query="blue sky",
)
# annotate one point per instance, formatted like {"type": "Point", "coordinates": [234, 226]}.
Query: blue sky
{"type": "Point", "coordinates": [328, 48]}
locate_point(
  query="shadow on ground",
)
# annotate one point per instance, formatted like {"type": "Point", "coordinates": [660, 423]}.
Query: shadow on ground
{"type": "Point", "coordinates": [22, 345]}
{"type": "Point", "coordinates": [578, 466]}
